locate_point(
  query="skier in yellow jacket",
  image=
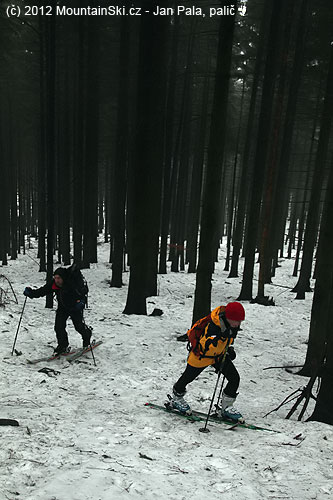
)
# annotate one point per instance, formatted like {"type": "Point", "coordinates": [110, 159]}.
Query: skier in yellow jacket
{"type": "Point", "coordinates": [217, 337]}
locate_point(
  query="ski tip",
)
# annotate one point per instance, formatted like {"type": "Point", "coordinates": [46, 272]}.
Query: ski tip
{"type": "Point", "coordinates": [232, 427]}
{"type": "Point", "coordinates": [9, 421]}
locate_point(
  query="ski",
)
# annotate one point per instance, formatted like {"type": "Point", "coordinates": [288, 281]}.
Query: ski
{"type": "Point", "coordinates": [191, 418]}
{"type": "Point", "coordinates": [77, 354]}
{"type": "Point", "coordinates": [50, 358]}
{"type": "Point", "coordinates": [201, 417]}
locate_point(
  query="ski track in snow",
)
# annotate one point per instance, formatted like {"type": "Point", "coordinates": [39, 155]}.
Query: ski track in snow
{"type": "Point", "coordinates": [85, 433]}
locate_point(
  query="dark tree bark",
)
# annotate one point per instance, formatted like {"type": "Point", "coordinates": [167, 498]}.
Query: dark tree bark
{"type": "Point", "coordinates": [50, 34]}
{"type": "Point", "coordinates": [146, 168]}
{"type": "Point", "coordinates": [319, 357]}
{"type": "Point", "coordinates": [120, 170]}
{"type": "Point", "coordinates": [311, 230]}
{"type": "Point", "coordinates": [262, 148]}
{"type": "Point", "coordinates": [232, 201]}
{"type": "Point", "coordinates": [12, 193]}
{"type": "Point", "coordinates": [64, 168]}
{"type": "Point", "coordinates": [281, 200]}
{"type": "Point", "coordinates": [196, 187]}
{"type": "Point", "coordinates": [270, 187]}
{"type": "Point", "coordinates": [80, 115]}
{"type": "Point", "coordinates": [245, 169]}
{"type": "Point", "coordinates": [181, 160]}
{"type": "Point", "coordinates": [169, 166]}
{"type": "Point", "coordinates": [210, 218]}
{"type": "Point", "coordinates": [4, 214]}
{"type": "Point", "coordinates": [90, 205]}
{"type": "Point", "coordinates": [41, 171]}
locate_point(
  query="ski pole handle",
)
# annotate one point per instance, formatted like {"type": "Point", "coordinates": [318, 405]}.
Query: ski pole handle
{"type": "Point", "coordinates": [18, 327]}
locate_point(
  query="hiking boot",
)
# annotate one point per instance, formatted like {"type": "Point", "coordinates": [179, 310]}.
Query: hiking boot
{"type": "Point", "coordinates": [227, 412]}
{"type": "Point", "coordinates": [60, 349]}
{"type": "Point", "coordinates": [178, 403]}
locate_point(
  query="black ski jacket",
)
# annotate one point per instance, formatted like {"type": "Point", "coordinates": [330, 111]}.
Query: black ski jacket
{"type": "Point", "coordinates": [67, 295]}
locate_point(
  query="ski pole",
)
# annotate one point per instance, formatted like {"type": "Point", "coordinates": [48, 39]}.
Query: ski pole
{"type": "Point", "coordinates": [18, 327]}
{"type": "Point", "coordinates": [91, 349]}
{"type": "Point", "coordinates": [93, 355]}
{"type": "Point", "coordinates": [204, 429]}
{"type": "Point", "coordinates": [218, 399]}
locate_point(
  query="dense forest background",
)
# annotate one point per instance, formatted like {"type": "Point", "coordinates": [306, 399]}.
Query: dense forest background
{"type": "Point", "coordinates": [163, 134]}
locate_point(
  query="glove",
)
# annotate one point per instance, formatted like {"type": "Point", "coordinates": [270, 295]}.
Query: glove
{"type": "Point", "coordinates": [231, 353]}
{"type": "Point", "coordinates": [79, 306]}
{"type": "Point", "coordinates": [28, 292]}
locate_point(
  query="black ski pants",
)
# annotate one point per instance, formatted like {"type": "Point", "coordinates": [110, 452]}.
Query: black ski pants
{"type": "Point", "coordinates": [62, 315]}
{"type": "Point", "coordinates": [228, 370]}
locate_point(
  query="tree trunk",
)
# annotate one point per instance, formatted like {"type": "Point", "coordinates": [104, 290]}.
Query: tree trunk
{"type": "Point", "coordinates": [169, 166]}
{"type": "Point", "coordinates": [41, 168]}
{"type": "Point", "coordinates": [90, 206]}
{"type": "Point", "coordinates": [210, 218]}
{"type": "Point", "coordinates": [120, 170]}
{"type": "Point", "coordinates": [146, 168]}
{"type": "Point", "coordinates": [232, 204]}
{"type": "Point", "coordinates": [196, 187]}
{"type": "Point", "coordinates": [311, 230]}
{"type": "Point", "coordinates": [80, 115]}
{"type": "Point", "coordinates": [237, 237]}
{"type": "Point", "coordinates": [50, 143]}
{"type": "Point", "coordinates": [262, 148]}
{"type": "Point", "coordinates": [269, 196]}
{"type": "Point", "coordinates": [320, 329]}
{"type": "Point", "coordinates": [319, 357]}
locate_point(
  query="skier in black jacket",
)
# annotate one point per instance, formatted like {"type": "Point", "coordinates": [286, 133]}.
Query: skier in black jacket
{"type": "Point", "coordinates": [71, 296]}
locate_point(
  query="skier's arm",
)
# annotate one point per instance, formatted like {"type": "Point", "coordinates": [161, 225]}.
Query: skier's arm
{"type": "Point", "coordinates": [42, 291]}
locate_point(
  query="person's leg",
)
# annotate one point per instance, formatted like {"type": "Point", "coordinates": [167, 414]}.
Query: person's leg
{"type": "Point", "coordinates": [60, 328]}
{"type": "Point", "coordinates": [81, 327]}
{"type": "Point", "coordinates": [231, 374]}
{"type": "Point", "coordinates": [178, 402]}
{"type": "Point", "coordinates": [229, 394]}
{"type": "Point", "coordinates": [190, 373]}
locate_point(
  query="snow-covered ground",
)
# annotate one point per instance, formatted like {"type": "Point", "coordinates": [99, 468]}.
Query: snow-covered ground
{"type": "Point", "coordinates": [86, 434]}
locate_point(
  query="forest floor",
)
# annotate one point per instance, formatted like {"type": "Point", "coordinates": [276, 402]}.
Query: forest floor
{"type": "Point", "coordinates": [85, 434]}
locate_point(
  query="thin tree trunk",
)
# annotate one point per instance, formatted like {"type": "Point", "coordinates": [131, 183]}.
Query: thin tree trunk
{"type": "Point", "coordinates": [196, 188]}
{"type": "Point", "coordinates": [120, 170]}
{"type": "Point", "coordinates": [262, 149]}
{"type": "Point", "coordinates": [210, 219]}
{"type": "Point", "coordinates": [232, 204]}
{"type": "Point", "coordinates": [311, 229]}
{"type": "Point", "coordinates": [50, 144]}
{"type": "Point", "coordinates": [245, 170]}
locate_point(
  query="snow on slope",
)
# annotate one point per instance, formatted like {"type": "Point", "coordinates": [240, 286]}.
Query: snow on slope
{"type": "Point", "coordinates": [85, 434]}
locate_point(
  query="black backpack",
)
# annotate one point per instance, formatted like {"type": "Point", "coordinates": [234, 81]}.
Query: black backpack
{"type": "Point", "coordinates": [77, 281]}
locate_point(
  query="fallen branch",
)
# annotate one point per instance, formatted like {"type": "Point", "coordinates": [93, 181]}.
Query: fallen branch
{"type": "Point", "coordinates": [285, 366]}
{"type": "Point", "coordinates": [141, 455]}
